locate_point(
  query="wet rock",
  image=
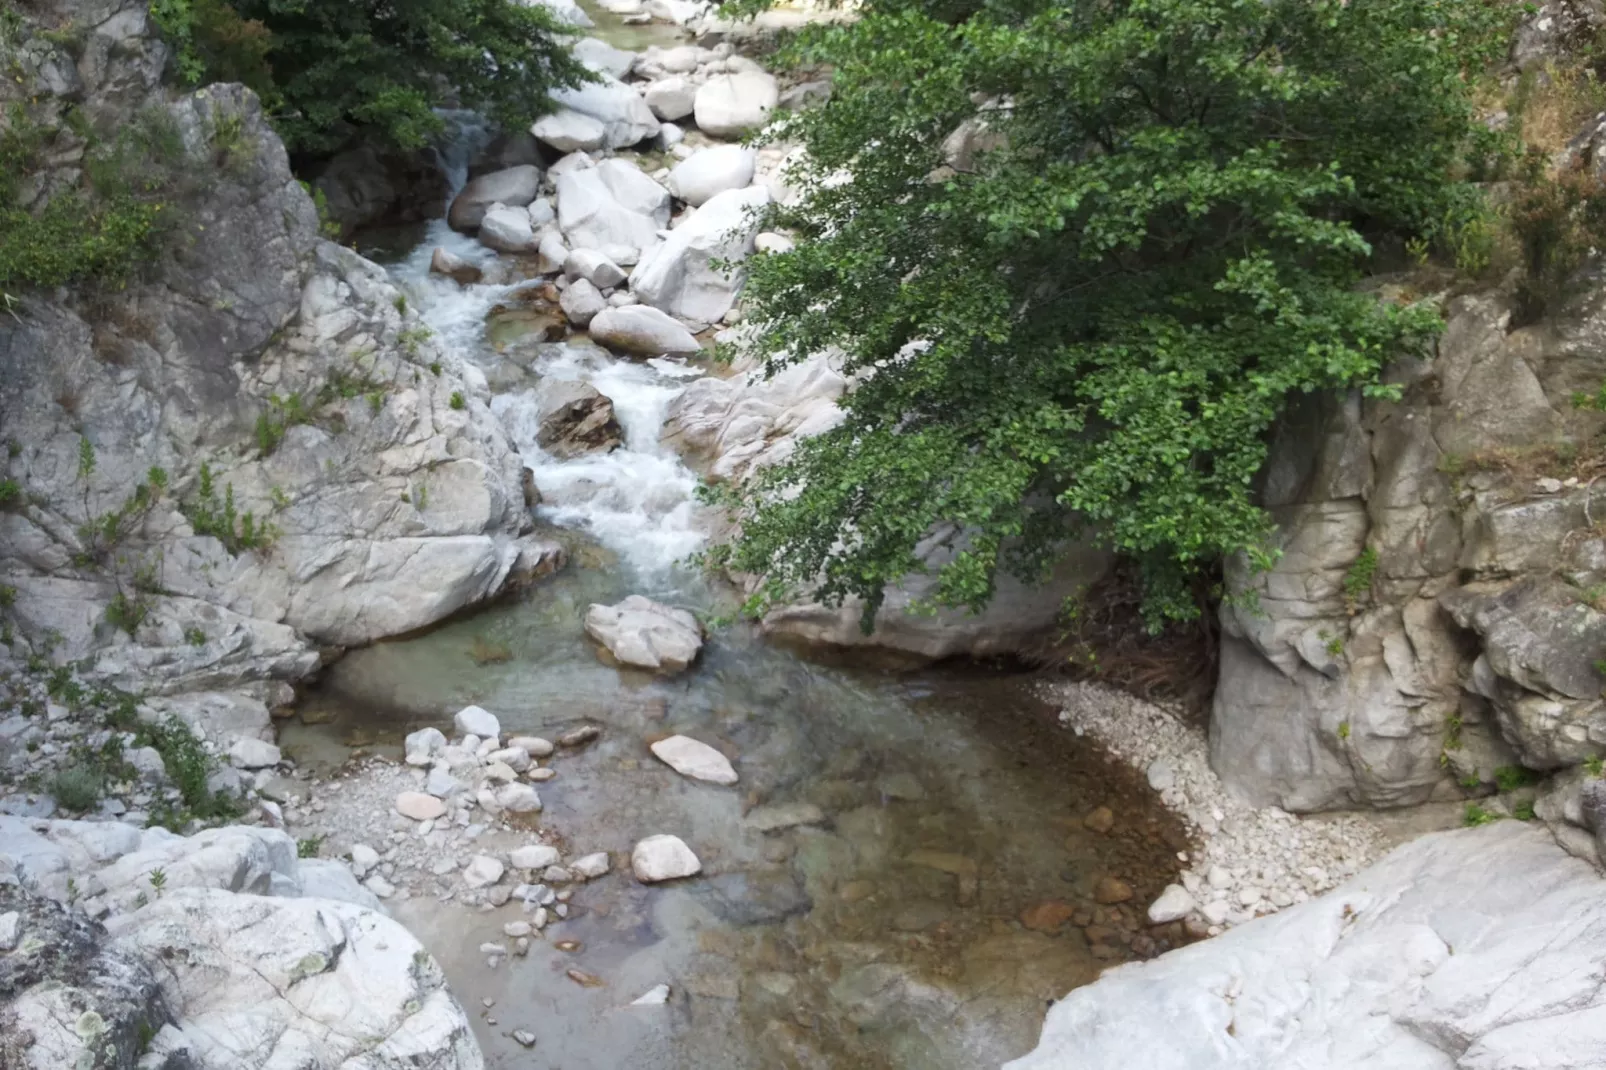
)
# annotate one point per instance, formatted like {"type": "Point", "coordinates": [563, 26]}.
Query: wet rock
{"type": "Point", "coordinates": [663, 858]}
{"type": "Point", "coordinates": [253, 754]}
{"type": "Point", "coordinates": [556, 875]}
{"type": "Point", "coordinates": [1174, 904]}
{"type": "Point", "coordinates": [594, 267]}
{"type": "Point", "coordinates": [424, 746]}
{"type": "Point", "coordinates": [575, 418]}
{"type": "Point", "coordinates": [579, 737]}
{"type": "Point", "coordinates": [760, 898]}
{"type": "Point", "coordinates": [508, 230]}
{"type": "Point", "coordinates": [920, 915]}
{"type": "Point", "coordinates": [729, 105]}
{"type": "Point", "coordinates": [711, 171]}
{"type": "Point", "coordinates": [533, 856]}
{"type": "Point", "coordinates": [1111, 890]}
{"type": "Point", "coordinates": [694, 759]}
{"type": "Point", "coordinates": [854, 891]}
{"type": "Point", "coordinates": [517, 799]}
{"type": "Point", "coordinates": [514, 187]}
{"type": "Point", "coordinates": [944, 861]}
{"type": "Point", "coordinates": [418, 806]}
{"type": "Point", "coordinates": [1048, 916]}
{"type": "Point", "coordinates": [534, 746]}
{"type": "Point", "coordinates": [483, 871]}
{"type": "Point", "coordinates": [783, 816]}
{"type": "Point", "coordinates": [904, 786]}
{"type": "Point", "coordinates": [524, 1038]}
{"type": "Point", "coordinates": [1101, 820]}
{"type": "Point", "coordinates": [472, 720]}
{"type": "Point", "coordinates": [584, 979]}
{"type": "Point", "coordinates": [642, 331]}
{"type": "Point", "coordinates": [581, 302]}
{"type": "Point", "coordinates": [445, 262]}
{"type": "Point", "coordinates": [644, 634]}
{"type": "Point", "coordinates": [591, 866]}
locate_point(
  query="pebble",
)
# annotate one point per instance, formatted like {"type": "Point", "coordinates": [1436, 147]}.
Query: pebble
{"type": "Point", "coordinates": [583, 979]}
{"type": "Point", "coordinates": [1101, 820]}
{"type": "Point", "coordinates": [1174, 904]}
{"type": "Point", "coordinates": [590, 867]}
{"type": "Point", "coordinates": [482, 870]}
{"type": "Point", "coordinates": [663, 858]}
{"type": "Point", "coordinates": [1111, 890]}
{"type": "Point", "coordinates": [580, 736]}
{"type": "Point", "coordinates": [516, 928]}
{"type": "Point", "coordinates": [533, 856]}
{"type": "Point", "coordinates": [524, 1037]}
{"type": "Point", "coordinates": [534, 746]}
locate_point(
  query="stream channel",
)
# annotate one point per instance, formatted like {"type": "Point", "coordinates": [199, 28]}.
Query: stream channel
{"type": "Point", "coordinates": [885, 933]}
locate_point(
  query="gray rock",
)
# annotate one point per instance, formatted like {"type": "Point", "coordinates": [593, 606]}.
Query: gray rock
{"type": "Point", "coordinates": [418, 806]}
{"type": "Point", "coordinates": [482, 871]}
{"type": "Point", "coordinates": [508, 230]}
{"type": "Point", "coordinates": [612, 208]}
{"type": "Point", "coordinates": [603, 57]}
{"type": "Point", "coordinates": [574, 417]}
{"type": "Point", "coordinates": [568, 130]}
{"type": "Point", "coordinates": [729, 105]}
{"type": "Point", "coordinates": [533, 856]}
{"type": "Point", "coordinates": [640, 331]}
{"type": "Point", "coordinates": [590, 867]}
{"type": "Point", "coordinates": [696, 273]}
{"type": "Point", "coordinates": [444, 262]}
{"type": "Point", "coordinates": [424, 746]}
{"type": "Point", "coordinates": [695, 759]}
{"type": "Point", "coordinates": [253, 754]}
{"type": "Point", "coordinates": [644, 634]}
{"type": "Point", "coordinates": [671, 98]}
{"type": "Point", "coordinates": [594, 267]}
{"type": "Point", "coordinates": [473, 720]}
{"type": "Point", "coordinates": [663, 858]}
{"type": "Point", "coordinates": [624, 117]}
{"type": "Point", "coordinates": [711, 171]}
{"type": "Point", "coordinates": [1174, 904]}
{"type": "Point", "coordinates": [581, 302]}
{"type": "Point", "coordinates": [515, 187]}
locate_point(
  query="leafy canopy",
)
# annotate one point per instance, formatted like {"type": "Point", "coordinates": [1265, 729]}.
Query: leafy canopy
{"type": "Point", "coordinates": [1085, 326]}
{"type": "Point", "coordinates": [328, 67]}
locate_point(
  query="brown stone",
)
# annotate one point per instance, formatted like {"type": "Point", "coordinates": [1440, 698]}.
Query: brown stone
{"type": "Point", "coordinates": [853, 891]}
{"type": "Point", "coordinates": [1047, 916]}
{"type": "Point", "coordinates": [1099, 934]}
{"type": "Point", "coordinates": [1104, 951]}
{"type": "Point", "coordinates": [1112, 890]}
{"type": "Point", "coordinates": [1101, 820]}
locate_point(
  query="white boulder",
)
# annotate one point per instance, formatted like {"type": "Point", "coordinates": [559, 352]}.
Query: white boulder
{"type": "Point", "coordinates": [713, 170]}
{"type": "Point", "coordinates": [594, 267]}
{"type": "Point", "coordinates": [696, 273]}
{"type": "Point", "coordinates": [671, 98]}
{"type": "Point", "coordinates": [424, 746]}
{"type": "Point", "coordinates": [534, 856]}
{"type": "Point", "coordinates": [1174, 904]}
{"type": "Point", "coordinates": [663, 858]}
{"type": "Point", "coordinates": [623, 115]}
{"type": "Point", "coordinates": [568, 130]}
{"type": "Point", "coordinates": [474, 721]}
{"type": "Point", "coordinates": [612, 208]}
{"type": "Point", "coordinates": [508, 230]}
{"type": "Point", "coordinates": [590, 867]}
{"type": "Point", "coordinates": [695, 759]}
{"type": "Point", "coordinates": [729, 105]}
{"type": "Point", "coordinates": [639, 331]}
{"type": "Point", "coordinates": [482, 870]}
{"type": "Point", "coordinates": [253, 754]}
{"type": "Point", "coordinates": [581, 302]}
{"type": "Point", "coordinates": [603, 57]}
{"type": "Point", "coordinates": [645, 634]}
{"type": "Point", "coordinates": [534, 746]}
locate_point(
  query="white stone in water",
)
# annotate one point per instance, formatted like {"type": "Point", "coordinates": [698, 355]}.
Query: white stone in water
{"type": "Point", "coordinates": [655, 996]}
{"type": "Point", "coordinates": [524, 1037]}
{"type": "Point", "coordinates": [534, 746]}
{"type": "Point", "coordinates": [783, 815]}
{"type": "Point", "coordinates": [541, 774]}
{"type": "Point", "coordinates": [592, 866]}
{"type": "Point", "coordinates": [483, 870]}
{"type": "Point", "coordinates": [539, 918]}
{"type": "Point", "coordinates": [1161, 776]}
{"type": "Point", "coordinates": [424, 745]}
{"type": "Point", "coordinates": [515, 758]}
{"type": "Point", "coordinates": [556, 875]}
{"type": "Point", "coordinates": [638, 631]}
{"type": "Point", "coordinates": [418, 806]}
{"type": "Point", "coordinates": [518, 799]}
{"type": "Point", "coordinates": [516, 928]}
{"type": "Point", "coordinates": [695, 759]}
{"type": "Point", "coordinates": [473, 720]}
{"type": "Point", "coordinates": [1174, 904]}
{"type": "Point", "coordinates": [534, 856]}
{"type": "Point", "coordinates": [492, 949]}
{"type": "Point", "coordinates": [663, 858]}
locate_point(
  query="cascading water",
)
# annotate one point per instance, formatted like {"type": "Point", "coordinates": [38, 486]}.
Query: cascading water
{"type": "Point", "coordinates": [880, 932]}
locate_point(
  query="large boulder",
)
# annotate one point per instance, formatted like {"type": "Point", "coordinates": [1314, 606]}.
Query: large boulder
{"type": "Point", "coordinates": [696, 273]}
{"type": "Point", "coordinates": [568, 130]}
{"type": "Point", "coordinates": [603, 57]}
{"type": "Point", "coordinates": [671, 98]}
{"type": "Point", "coordinates": [711, 171]}
{"type": "Point", "coordinates": [508, 230]}
{"type": "Point", "coordinates": [369, 185]}
{"type": "Point", "coordinates": [576, 419]}
{"type": "Point", "coordinates": [625, 118]}
{"type": "Point", "coordinates": [1410, 965]}
{"type": "Point", "coordinates": [644, 634]}
{"type": "Point", "coordinates": [729, 105]}
{"type": "Point", "coordinates": [640, 331]}
{"type": "Point", "coordinates": [612, 208]}
{"type": "Point", "coordinates": [515, 187]}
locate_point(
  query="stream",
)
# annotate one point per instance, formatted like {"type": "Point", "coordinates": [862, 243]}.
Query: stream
{"type": "Point", "coordinates": [884, 932]}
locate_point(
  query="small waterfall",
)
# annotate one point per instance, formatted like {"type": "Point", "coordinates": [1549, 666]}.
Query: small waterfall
{"type": "Point", "coordinates": [466, 135]}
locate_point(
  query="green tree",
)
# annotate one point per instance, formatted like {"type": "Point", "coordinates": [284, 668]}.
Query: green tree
{"type": "Point", "coordinates": [1084, 325]}
{"type": "Point", "coordinates": [330, 68]}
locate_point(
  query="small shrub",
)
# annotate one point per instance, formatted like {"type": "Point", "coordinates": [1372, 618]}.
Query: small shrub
{"type": "Point", "coordinates": [309, 847]}
{"type": "Point", "coordinates": [194, 636]}
{"type": "Point", "coordinates": [1595, 765]}
{"type": "Point", "coordinates": [434, 367]}
{"type": "Point", "coordinates": [127, 613]}
{"type": "Point", "coordinates": [400, 302]}
{"type": "Point", "coordinates": [78, 787]}
{"type": "Point", "coordinates": [1476, 815]}
{"type": "Point", "coordinates": [10, 493]}
{"type": "Point", "coordinates": [219, 518]}
{"type": "Point", "coordinates": [1512, 777]}
{"type": "Point", "coordinates": [1358, 579]}
{"type": "Point", "coordinates": [1343, 730]}
{"type": "Point", "coordinates": [457, 401]}
{"type": "Point", "coordinates": [1523, 811]}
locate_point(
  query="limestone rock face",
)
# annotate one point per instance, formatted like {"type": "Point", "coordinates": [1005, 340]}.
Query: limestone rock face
{"type": "Point", "coordinates": [1408, 619]}
{"type": "Point", "coordinates": [1411, 964]}
{"type": "Point", "coordinates": [645, 634]}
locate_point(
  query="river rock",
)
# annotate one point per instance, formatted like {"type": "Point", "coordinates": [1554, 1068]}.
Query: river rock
{"type": "Point", "coordinates": [445, 262]}
{"type": "Point", "coordinates": [508, 230]}
{"type": "Point", "coordinates": [610, 208]}
{"type": "Point", "coordinates": [363, 859]}
{"type": "Point", "coordinates": [709, 171]}
{"type": "Point", "coordinates": [729, 105]}
{"type": "Point", "coordinates": [696, 273]}
{"type": "Point", "coordinates": [1174, 904]}
{"type": "Point", "coordinates": [1409, 965]}
{"type": "Point", "coordinates": [590, 867]}
{"type": "Point", "coordinates": [568, 130]}
{"type": "Point", "coordinates": [624, 117]}
{"type": "Point", "coordinates": [603, 57]}
{"type": "Point", "coordinates": [594, 267]}
{"type": "Point", "coordinates": [1111, 890]}
{"type": "Point", "coordinates": [671, 98]}
{"type": "Point", "coordinates": [253, 754]}
{"type": "Point", "coordinates": [550, 252]}
{"type": "Point", "coordinates": [644, 634]}
{"type": "Point", "coordinates": [663, 858]}
{"type": "Point", "coordinates": [689, 757]}
{"type": "Point", "coordinates": [783, 816]}
{"type": "Point", "coordinates": [533, 856]}
{"type": "Point", "coordinates": [482, 871]}
{"type": "Point", "coordinates": [518, 799]}
{"type": "Point", "coordinates": [574, 417]}
{"type": "Point", "coordinates": [418, 806]}
{"type": "Point", "coordinates": [534, 746]}
{"type": "Point", "coordinates": [641, 331]}
{"type": "Point", "coordinates": [475, 721]}
{"type": "Point", "coordinates": [424, 746]}
{"type": "Point", "coordinates": [514, 187]}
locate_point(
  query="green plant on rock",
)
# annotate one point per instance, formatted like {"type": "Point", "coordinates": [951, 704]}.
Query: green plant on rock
{"type": "Point", "coordinates": [457, 401]}
{"type": "Point", "coordinates": [1358, 579]}
{"type": "Point", "coordinates": [78, 787]}
{"type": "Point", "coordinates": [1079, 261]}
{"type": "Point", "coordinates": [1595, 765]}
{"type": "Point", "coordinates": [127, 613]}
{"type": "Point", "coordinates": [219, 518]}
{"type": "Point", "coordinates": [1475, 815]}
{"type": "Point", "coordinates": [309, 846]}
{"type": "Point", "coordinates": [1512, 777]}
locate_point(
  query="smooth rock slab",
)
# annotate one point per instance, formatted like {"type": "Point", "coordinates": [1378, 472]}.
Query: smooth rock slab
{"type": "Point", "coordinates": [688, 757]}
{"type": "Point", "coordinates": [645, 634]}
{"type": "Point", "coordinates": [663, 858]}
{"type": "Point", "coordinates": [475, 721]}
{"type": "Point", "coordinates": [418, 806]}
{"type": "Point", "coordinates": [710, 171]}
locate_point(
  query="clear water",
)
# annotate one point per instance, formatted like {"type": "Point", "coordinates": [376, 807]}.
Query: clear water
{"type": "Point", "coordinates": [830, 945]}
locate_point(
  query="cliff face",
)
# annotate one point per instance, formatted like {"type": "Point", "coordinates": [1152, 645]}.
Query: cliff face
{"type": "Point", "coordinates": [1435, 612]}
{"type": "Point", "coordinates": [382, 494]}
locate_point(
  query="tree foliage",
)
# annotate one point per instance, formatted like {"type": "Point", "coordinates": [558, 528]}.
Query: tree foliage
{"type": "Point", "coordinates": [327, 68]}
{"type": "Point", "coordinates": [1084, 326]}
